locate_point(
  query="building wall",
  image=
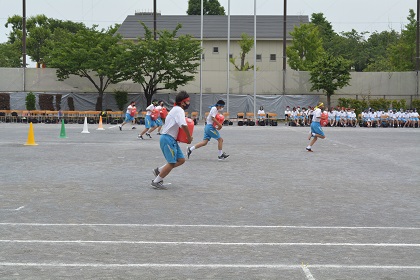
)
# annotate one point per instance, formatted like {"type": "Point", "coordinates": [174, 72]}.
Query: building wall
{"type": "Point", "coordinates": [217, 61]}
{"type": "Point", "coordinates": [396, 85]}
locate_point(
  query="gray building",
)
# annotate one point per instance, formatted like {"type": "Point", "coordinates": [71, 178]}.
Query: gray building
{"type": "Point", "coordinates": [215, 33]}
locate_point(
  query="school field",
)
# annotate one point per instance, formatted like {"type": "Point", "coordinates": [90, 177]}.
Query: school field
{"type": "Point", "coordinates": [82, 207]}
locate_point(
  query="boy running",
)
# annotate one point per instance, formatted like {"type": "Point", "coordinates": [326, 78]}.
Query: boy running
{"type": "Point", "coordinates": [149, 123]}
{"type": "Point", "coordinates": [129, 115]}
{"type": "Point", "coordinates": [316, 129]}
{"type": "Point", "coordinates": [211, 132]}
{"type": "Point", "coordinates": [168, 143]}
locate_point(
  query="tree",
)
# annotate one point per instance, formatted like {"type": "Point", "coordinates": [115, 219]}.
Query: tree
{"type": "Point", "coordinates": [377, 48]}
{"type": "Point", "coordinates": [165, 63]}
{"type": "Point", "coordinates": [210, 7]}
{"type": "Point", "coordinates": [329, 73]}
{"type": "Point", "coordinates": [40, 30]}
{"type": "Point", "coordinates": [402, 55]}
{"type": "Point", "coordinates": [10, 55]}
{"type": "Point", "coordinates": [325, 30]}
{"type": "Point", "coordinates": [306, 47]}
{"type": "Point", "coordinates": [246, 45]}
{"type": "Point", "coordinates": [89, 54]}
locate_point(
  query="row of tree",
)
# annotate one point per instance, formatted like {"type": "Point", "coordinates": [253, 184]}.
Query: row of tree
{"type": "Point", "coordinates": [102, 57]}
{"type": "Point", "coordinates": [329, 57]}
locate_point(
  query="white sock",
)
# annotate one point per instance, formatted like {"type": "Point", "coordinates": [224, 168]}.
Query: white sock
{"type": "Point", "coordinates": [220, 152]}
{"type": "Point", "coordinates": [158, 179]}
{"type": "Point", "coordinates": [192, 148]}
{"type": "Point", "coordinates": [308, 147]}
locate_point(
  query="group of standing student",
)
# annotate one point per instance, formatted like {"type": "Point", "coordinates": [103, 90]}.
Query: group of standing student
{"type": "Point", "coordinates": [175, 121]}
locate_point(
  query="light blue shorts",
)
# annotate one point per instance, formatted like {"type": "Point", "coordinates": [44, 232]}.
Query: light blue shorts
{"type": "Point", "coordinates": [316, 128]}
{"type": "Point", "coordinates": [148, 122]}
{"type": "Point", "coordinates": [128, 118]}
{"type": "Point", "coordinates": [159, 122]}
{"type": "Point", "coordinates": [170, 148]}
{"type": "Point", "coordinates": [210, 132]}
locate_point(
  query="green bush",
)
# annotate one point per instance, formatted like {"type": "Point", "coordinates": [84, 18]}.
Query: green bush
{"type": "Point", "coordinates": [121, 97]}
{"type": "Point", "coordinates": [416, 104]}
{"type": "Point", "coordinates": [30, 101]}
{"type": "Point", "coordinates": [381, 103]}
{"type": "Point", "coordinates": [395, 104]}
{"type": "Point", "coordinates": [357, 105]}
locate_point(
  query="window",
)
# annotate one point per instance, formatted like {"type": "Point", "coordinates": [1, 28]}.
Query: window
{"type": "Point", "coordinates": [230, 56]}
{"type": "Point", "coordinates": [258, 57]}
{"type": "Point", "coordinates": [273, 57]}
{"type": "Point", "coordinates": [215, 49]}
{"type": "Point", "coordinates": [203, 57]}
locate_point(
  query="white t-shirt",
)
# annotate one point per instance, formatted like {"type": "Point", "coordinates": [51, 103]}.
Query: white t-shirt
{"type": "Point", "coordinates": [261, 112]}
{"type": "Point", "coordinates": [212, 114]}
{"type": "Point", "coordinates": [317, 115]}
{"type": "Point", "coordinates": [149, 109]}
{"type": "Point", "coordinates": [129, 108]}
{"type": "Point", "coordinates": [174, 120]}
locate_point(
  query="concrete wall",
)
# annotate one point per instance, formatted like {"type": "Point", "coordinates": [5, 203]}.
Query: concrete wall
{"type": "Point", "coordinates": [401, 85]}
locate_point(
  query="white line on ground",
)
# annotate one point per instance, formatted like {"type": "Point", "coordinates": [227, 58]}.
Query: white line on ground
{"type": "Point", "coordinates": [307, 273]}
{"type": "Point", "coordinates": [162, 265]}
{"type": "Point", "coordinates": [214, 243]}
{"type": "Point", "coordinates": [17, 209]}
{"type": "Point", "coordinates": [211, 226]}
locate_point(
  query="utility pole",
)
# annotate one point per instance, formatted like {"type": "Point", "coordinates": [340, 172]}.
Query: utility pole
{"type": "Point", "coordinates": [417, 47]}
{"type": "Point", "coordinates": [154, 19]}
{"type": "Point", "coordinates": [24, 40]}
{"type": "Point", "coordinates": [284, 44]}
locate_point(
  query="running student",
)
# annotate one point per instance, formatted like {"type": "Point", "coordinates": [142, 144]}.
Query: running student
{"type": "Point", "coordinates": [211, 132]}
{"type": "Point", "coordinates": [316, 129]}
{"type": "Point", "coordinates": [149, 123]}
{"type": "Point", "coordinates": [129, 115]}
{"type": "Point", "coordinates": [168, 144]}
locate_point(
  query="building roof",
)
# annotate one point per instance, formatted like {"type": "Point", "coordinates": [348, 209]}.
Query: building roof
{"type": "Point", "coordinates": [214, 26]}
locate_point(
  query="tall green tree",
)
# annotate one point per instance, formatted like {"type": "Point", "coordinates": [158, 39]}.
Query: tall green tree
{"type": "Point", "coordinates": [377, 47]}
{"type": "Point", "coordinates": [40, 30]}
{"type": "Point", "coordinates": [165, 63]}
{"type": "Point", "coordinates": [329, 73]}
{"type": "Point", "coordinates": [210, 7]}
{"type": "Point", "coordinates": [306, 47]}
{"type": "Point", "coordinates": [89, 54]}
{"type": "Point", "coordinates": [326, 31]}
{"type": "Point", "coordinates": [10, 55]}
{"type": "Point", "coordinates": [246, 44]}
{"type": "Point", "coordinates": [402, 55]}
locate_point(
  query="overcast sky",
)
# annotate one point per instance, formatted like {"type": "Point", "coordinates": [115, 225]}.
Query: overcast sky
{"type": "Point", "coordinates": [361, 15]}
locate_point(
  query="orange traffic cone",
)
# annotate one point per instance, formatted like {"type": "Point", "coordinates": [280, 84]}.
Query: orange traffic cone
{"type": "Point", "coordinates": [100, 124]}
{"type": "Point", "coordinates": [31, 136]}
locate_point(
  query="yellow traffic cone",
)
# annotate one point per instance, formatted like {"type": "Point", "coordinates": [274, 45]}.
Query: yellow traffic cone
{"type": "Point", "coordinates": [31, 136]}
{"type": "Point", "coordinates": [100, 124]}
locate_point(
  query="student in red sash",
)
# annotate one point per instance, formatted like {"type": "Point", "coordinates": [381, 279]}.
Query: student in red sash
{"type": "Point", "coordinates": [168, 143]}
{"type": "Point", "coordinates": [212, 131]}
{"type": "Point", "coordinates": [130, 115]}
{"type": "Point", "coordinates": [162, 115]}
{"type": "Point", "coordinates": [150, 120]}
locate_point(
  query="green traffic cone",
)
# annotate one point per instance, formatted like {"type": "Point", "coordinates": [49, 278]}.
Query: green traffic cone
{"type": "Point", "coordinates": [63, 130]}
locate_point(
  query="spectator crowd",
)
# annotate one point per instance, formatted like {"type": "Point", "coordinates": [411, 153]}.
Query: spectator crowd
{"type": "Point", "coordinates": [346, 117]}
